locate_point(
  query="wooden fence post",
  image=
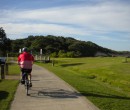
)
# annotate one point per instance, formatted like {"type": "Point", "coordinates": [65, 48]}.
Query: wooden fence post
{"type": "Point", "coordinates": [2, 71]}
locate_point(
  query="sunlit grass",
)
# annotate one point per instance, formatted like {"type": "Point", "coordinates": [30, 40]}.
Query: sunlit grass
{"type": "Point", "coordinates": [14, 69]}
{"type": "Point", "coordinates": [104, 81]}
{"type": "Point", "coordinates": [8, 88]}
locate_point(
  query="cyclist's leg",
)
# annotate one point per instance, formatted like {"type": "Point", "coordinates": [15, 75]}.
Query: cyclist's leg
{"type": "Point", "coordinates": [23, 76]}
{"type": "Point", "coordinates": [30, 77]}
{"type": "Point", "coordinates": [20, 75]}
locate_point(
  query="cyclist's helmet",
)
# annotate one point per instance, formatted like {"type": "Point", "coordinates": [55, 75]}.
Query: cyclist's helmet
{"type": "Point", "coordinates": [24, 49]}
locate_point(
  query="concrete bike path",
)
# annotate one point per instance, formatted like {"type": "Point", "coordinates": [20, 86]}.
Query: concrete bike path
{"type": "Point", "coordinates": [49, 93]}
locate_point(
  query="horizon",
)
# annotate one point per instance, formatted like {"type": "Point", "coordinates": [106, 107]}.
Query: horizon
{"type": "Point", "coordinates": [105, 23]}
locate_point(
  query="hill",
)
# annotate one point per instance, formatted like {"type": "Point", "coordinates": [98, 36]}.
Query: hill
{"type": "Point", "coordinates": [59, 46]}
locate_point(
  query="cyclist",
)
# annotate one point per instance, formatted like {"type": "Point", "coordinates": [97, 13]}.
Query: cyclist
{"type": "Point", "coordinates": [25, 61]}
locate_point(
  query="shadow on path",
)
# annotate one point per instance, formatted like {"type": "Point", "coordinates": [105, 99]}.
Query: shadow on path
{"type": "Point", "coordinates": [55, 93]}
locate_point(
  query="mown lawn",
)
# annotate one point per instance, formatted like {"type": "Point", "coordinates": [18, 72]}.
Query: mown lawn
{"type": "Point", "coordinates": [7, 91]}
{"type": "Point", "coordinates": [8, 88]}
{"type": "Point", "coordinates": [104, 81]}
{"type": "Point", "coordinates": [14, 69]}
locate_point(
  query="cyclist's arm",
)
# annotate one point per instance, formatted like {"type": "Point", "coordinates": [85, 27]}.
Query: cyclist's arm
{"type": "Point", "coordinates": [19, 59]}
{"type": "Point", "coordinates": [32, 59]}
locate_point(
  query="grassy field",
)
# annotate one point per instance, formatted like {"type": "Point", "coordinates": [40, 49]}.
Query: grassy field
{"type": "Point", "coordinates": [14, 69]}
{"type": "Point", "coordinates": [104, 81]}
{"type": "Point", "coordinates": [8, 88]}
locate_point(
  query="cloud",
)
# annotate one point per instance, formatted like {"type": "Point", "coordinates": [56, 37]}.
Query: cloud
{"type": "Point", "coordinates": [19, 29]}
{"type": "Point", "coordinates": [89, 20]}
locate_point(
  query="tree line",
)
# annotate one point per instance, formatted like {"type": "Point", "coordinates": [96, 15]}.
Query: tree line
{"type": "Point", "coordinates": [59, 46]}
{"type": "Point", "coordinates": [55, 46]}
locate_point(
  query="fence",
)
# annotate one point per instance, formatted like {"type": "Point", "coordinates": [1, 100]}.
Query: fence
{"type": "Point", "coordinates": [42, 58]}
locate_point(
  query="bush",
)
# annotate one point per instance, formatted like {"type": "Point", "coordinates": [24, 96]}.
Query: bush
{"type": "Point", "coordinates": [54, 55]}
{"type": "Point", "coordinates": [62, 54]}
{"type": "Point", "coordinates": [70, 54]}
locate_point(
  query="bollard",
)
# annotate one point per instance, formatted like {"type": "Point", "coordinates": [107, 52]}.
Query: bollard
{"type": "Point", "coordinates": [6, 68]}
{"type": "Point", "coordinates": [52, 62]}
{"type": "Point", "coordinates": [48, 59]}
{"type": "Point", "coordinates": [2, 71]}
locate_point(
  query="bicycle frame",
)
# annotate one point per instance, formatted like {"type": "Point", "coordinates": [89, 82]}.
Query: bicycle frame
{"type": "Point", "coordinates": [27, 82]}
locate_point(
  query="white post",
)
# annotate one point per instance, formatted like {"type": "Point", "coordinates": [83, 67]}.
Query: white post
{"type": "Point", "coordinates": [20, 51]}
{"type": "Point", "coordinates": [40, 51]}
{"type": "Point", "coordinates": [40, 54]}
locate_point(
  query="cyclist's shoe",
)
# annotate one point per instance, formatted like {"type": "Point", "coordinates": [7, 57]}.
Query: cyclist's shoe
{"type": "Point", "coordinates": [30, 85]}
{"type": "Point", "coordinates": [22, 82]}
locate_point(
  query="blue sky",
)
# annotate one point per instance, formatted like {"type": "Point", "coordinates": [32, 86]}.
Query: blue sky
{"type": "Point", "coordinates": [104, 22]}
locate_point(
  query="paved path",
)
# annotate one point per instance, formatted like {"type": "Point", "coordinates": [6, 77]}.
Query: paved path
{"type": "Point", "coordinates": [49, 93]}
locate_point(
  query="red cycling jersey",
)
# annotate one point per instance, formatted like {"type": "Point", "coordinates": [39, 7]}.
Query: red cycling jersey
{"type": "Point", "coordinates": [25, 60]}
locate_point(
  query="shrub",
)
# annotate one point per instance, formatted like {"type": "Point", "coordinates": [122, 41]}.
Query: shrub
{"type": "Point", "coordinates": [70, 54]}
{"type": "Point", "coordinates": [54, 55]}
{"type": "Point", "coordinates": [62, 54]}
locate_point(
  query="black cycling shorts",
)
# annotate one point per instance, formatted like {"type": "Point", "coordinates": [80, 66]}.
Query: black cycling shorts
{"type": "Point", "coordinates": [26, 70]}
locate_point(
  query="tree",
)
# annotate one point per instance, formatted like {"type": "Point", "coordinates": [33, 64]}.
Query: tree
{"type": "Point", "coordinates": [60, 46]}
{"type": "Point", "coordinates": [16, 45]}
{"type": "Point", "coordinates": [2, 34]}
{"type": "Point", "coordinates": [62, 54]}
{"type": "Point", "coordinates": [82, 49]}
{"type": "Point", "coordinates": [4, 43]}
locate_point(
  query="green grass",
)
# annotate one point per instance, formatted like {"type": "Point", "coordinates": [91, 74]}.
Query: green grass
{"type": "Point", "coordinates": [14, 69]}
{"type": "Point", "coordinates": [8, 88]}
{"type": "Point", "coordinates": [104, 81]}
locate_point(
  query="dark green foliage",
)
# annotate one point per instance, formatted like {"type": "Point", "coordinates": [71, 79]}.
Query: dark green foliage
{"type": "Point", "coordinates": [5, 43]}
{"type": "Point", "coordinates": [55, 46]}
{"type": "Point", "coordinates": [70, 54]}
{"type": "Point", "coordinates": [82, 48]}
{"type": "Point", "coordinates": [58, 46]}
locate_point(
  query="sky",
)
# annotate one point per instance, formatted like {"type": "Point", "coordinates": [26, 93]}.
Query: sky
{"type": "Point", "coordinates": [104, 22]}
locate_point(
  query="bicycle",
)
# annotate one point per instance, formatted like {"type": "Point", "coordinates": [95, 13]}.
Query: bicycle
{"type": "Point", "coordinates": [27, 78]}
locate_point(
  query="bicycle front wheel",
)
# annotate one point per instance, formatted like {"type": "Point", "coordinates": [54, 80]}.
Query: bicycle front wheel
{"type": "Point", "coordinates": [27, 87]}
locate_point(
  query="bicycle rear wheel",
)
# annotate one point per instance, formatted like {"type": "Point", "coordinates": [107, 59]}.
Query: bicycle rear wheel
{"type": "Point", "coordinates": [27, 85]}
